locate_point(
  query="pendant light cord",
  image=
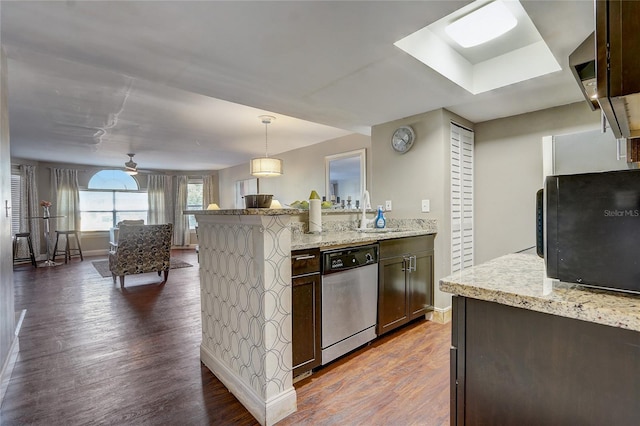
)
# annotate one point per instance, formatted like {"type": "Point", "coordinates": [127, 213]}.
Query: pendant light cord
{"type": "Point", "coordinates": [266, 120]}
{"type": "Point", "coordinates": [266, 149]}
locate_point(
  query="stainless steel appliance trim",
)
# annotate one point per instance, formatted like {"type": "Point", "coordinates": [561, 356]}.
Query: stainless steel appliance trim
{"type": "Point", "coordinates": [336, 351]}
{"type": "Point", "coordinates": [349, 310]}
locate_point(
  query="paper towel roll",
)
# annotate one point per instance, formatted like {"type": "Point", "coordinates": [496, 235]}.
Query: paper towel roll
{"type": "Point", "coordinates": [315, 216]}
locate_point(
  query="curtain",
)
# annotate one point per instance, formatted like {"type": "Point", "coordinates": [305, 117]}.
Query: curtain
{"type": "Point", "coordinates": [29, 208]}
{"type": "Point", "coordinates": [159, 195]}
{"type": "Point", "coordinates": [181, 234]}
{"type": "Point", "coordinates": [209, 187]}
{"type": "Point", "coordinates": [67, 199]}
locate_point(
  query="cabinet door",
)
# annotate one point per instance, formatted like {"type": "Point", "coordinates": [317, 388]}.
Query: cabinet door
{"type": "Point", "coordinates": [305, 336]}
{"type": "Point", "coordinates": [421, 285]}
{"type": "Point", "coordinates": [521, 367]}
{"type": "Point", "coordinates": [392, 294]}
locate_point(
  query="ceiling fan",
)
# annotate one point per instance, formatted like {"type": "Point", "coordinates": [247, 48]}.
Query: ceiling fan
{"type": "Point", "coordinates": [131, 167]}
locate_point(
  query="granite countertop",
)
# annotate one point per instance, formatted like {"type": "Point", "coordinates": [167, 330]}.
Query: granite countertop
{"type": "Point", "coordinates": [336, 234]}
{"type": "Point", "coordinates": [237, 212]}
{"type": "Point", "coordinates": [328, 240]}
{"type": "Point", "coordinates": [274, 212]}
{"type": "Point", "coordinates": [519, 280]}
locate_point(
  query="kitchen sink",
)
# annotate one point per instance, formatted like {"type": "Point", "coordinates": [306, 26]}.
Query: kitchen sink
{"type": "Point", "coordinates": [380, 230]}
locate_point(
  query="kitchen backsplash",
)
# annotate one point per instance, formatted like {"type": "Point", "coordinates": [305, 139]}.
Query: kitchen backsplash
{"type": "Point", "coordinates": [302, 227]}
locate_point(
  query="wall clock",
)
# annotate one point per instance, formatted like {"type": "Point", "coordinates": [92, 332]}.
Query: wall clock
{"type": "Point", "coordinates": [402, 139]}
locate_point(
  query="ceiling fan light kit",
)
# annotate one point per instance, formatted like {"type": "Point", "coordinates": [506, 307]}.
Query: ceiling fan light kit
{"type": "Point", "coordinates": [266, 166]}
{"type": "Point", "coordinates": [131, 167]}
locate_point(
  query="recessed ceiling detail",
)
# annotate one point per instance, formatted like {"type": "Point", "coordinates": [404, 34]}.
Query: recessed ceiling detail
{"type": "Point", "coordinates": [517, 55]}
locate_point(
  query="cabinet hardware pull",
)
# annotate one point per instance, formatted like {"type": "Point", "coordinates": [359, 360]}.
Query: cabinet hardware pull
{"type": "Point", "coordinates": [305, 257]}
{"type": "Point", "coordinates": [404, 264]}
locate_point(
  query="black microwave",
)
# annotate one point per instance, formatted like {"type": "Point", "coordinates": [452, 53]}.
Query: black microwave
{"type": "Point", "coordinates": [588, 229]}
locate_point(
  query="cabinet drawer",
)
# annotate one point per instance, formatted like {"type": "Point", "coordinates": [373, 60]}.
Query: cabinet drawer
{"type": "Point", "coordinates": [402, 246]}
{"type": "Point", "coordinates": [305, 262]}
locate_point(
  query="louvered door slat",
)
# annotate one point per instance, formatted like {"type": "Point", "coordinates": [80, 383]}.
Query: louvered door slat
{"type": "Point", "coordinates": [461, 198]}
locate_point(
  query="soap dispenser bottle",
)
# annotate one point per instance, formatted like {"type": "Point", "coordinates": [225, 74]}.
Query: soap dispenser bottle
{"type": "Point", "coordinates": [380, 221]}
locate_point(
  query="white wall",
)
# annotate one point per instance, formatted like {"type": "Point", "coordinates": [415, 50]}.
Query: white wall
{"type": "Point", "coordinates": [421, 173]}
{"type": "Point", "coordinates": [508, 172]}
{"type": "Point", "coordinates": [585, 152]}
{"type": "Point", "coordinates": [7, 309]}
{"type": "Point", "coordinates": [303, 171]}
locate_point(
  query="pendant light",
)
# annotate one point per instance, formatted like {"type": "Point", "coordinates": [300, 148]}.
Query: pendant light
{"type": "Point", "coordinates": [266, 166]}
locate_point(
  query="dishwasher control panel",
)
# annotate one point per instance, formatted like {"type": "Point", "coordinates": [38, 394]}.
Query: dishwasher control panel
{"type": "Point", "coordinates": [349, 258]}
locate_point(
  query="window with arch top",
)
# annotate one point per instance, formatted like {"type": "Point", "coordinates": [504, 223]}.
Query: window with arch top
{"type": "Point", "coordinates": [111, 196]}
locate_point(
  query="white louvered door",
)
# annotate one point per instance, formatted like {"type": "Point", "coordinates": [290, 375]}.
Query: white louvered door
{"type": "Point", "coordinates": [461, 198]}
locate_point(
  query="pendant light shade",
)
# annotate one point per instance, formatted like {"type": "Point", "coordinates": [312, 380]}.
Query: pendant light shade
{"type": "Point", "coordinates": [266, 166]}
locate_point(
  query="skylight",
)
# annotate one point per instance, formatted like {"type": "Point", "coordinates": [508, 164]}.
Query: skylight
{"type": "Point", "coordinates": [482, 25]}
{"type": "Point", "coordinates": [520, 54]}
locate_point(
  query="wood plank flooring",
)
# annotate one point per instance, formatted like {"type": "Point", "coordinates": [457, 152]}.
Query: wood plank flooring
{"type": "Point", "coordinates": [92, 354]}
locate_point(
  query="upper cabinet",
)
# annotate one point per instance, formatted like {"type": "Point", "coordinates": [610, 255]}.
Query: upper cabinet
{"type": "Point", "coordinates": [618, 64]}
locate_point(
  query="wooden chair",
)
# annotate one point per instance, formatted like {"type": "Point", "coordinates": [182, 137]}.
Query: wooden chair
{"type": "Point", "coordinates": [68, 251]}
{"type": "Point", "coordinates": [31, 257]}
{"type": "Point", "coordinates": [141, 249]}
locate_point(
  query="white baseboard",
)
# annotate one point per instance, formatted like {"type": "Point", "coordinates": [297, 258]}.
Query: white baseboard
{"type": "Point", "coordinates": [281, 406]}
{"type": "Point", "coordinates": [189, 247]}
{"type": "Point", "coordinates": [12, 356]}
{"type": "Point", "coordinates": [441, 315]}
{"type": "Point", "coordinates": [90, 253]}
{"type": "Point", "coordinates": [105, 252]}
{"type": "Point", "coordinates": [268, 412]}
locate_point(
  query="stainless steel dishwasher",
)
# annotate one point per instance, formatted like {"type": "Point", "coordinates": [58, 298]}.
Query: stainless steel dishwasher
{"type": "Point", "coordinates": [349, 299]}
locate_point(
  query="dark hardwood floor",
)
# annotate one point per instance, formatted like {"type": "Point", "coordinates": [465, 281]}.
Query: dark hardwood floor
{"type": "Point", "coordinates": [93, 354]}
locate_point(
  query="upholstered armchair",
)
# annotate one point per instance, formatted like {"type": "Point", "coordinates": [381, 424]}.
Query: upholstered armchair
{"type": "Point", "coordinates": [140, 249]}
{"type": "Point", "coordinates": [113, 232]}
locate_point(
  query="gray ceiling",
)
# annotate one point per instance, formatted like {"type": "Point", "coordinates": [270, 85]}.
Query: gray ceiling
{"type": "Point", "coordinates": [182, 84]}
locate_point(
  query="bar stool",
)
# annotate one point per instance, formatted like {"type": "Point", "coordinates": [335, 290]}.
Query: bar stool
{"type": "Point", "coordinates": [68, 251]}
{"type": "Point", "coordinates": [31, 257]}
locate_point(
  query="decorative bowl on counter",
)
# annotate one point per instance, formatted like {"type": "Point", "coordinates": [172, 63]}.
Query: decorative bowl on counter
{"type": "Point", "coordinates": [258, 201]}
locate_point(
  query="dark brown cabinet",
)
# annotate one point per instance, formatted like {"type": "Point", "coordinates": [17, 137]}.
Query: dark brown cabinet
{"type": "Point", "coordinates": [305, 309]}
{"type": "Point", "coordinates": [405, 281]}
{"type": "Point", "coordinates": [618, 65]}
{"type": "Point", "coordinates": [514, 366]}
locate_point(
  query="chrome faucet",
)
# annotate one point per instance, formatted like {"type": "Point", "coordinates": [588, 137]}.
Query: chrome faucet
{"type": "Point", "coordinates": [366, 203]}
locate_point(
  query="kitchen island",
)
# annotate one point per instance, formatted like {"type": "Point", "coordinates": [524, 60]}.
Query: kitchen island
{"type": "Point", "coordinates": [527, 350]}
{"type": "Point", "coordinates": [245, 280]}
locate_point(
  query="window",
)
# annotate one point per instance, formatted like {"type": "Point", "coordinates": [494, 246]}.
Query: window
{"type": "Point", "coordinates": [111, 196]}
{"type": "Point", "coordinates": [194, 199]}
